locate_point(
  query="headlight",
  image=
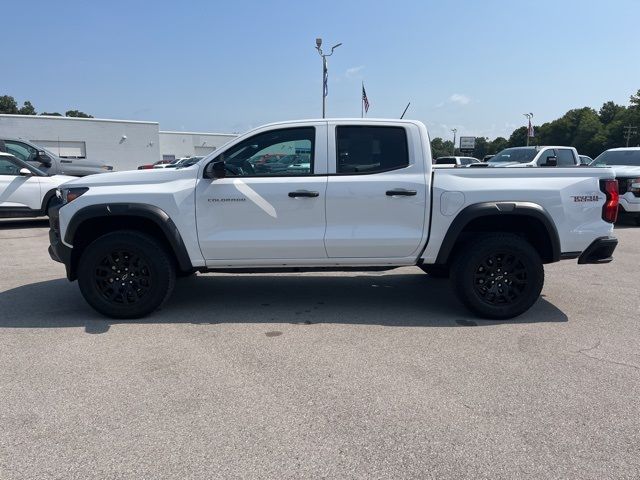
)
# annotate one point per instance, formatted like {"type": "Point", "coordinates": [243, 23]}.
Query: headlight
{"type": "Point", "coordinates": [633, 185]}
{"type": "Point", "coordinates": [70, 194]}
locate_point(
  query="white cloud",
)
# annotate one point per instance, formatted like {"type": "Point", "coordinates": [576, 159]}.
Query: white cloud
{"type": "Point", "coordinates": [459, 99]}
{"type": "Point", "coordinates": [354, 72]}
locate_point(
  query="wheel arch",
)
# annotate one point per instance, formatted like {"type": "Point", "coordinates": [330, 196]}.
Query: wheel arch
{"type": "Point", "coordinates": [94, 221]}
{"type": "Point", "coordinates": [528, 219]}
{"type": "Point", "coordinates": [46, 199]}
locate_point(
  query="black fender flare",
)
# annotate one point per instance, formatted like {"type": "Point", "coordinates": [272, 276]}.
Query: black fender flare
{"type": "Point", "coordinates": [45, 200]}
{"type": "Point", "coordinates": [486, 209]}
{"type": "Point", "coordinates": [158, 216]}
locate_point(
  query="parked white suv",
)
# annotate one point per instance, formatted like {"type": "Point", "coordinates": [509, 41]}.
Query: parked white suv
{"type": "Point", "coordinates": [625, 163]}
{"type": "Point", "coordinates": [536, 157]}
{"type": "Point", "coordinates": [25, 191]}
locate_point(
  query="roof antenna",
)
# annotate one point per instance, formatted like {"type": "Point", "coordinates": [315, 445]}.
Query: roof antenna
{"type": "Point", "coordinates": [405, 111]}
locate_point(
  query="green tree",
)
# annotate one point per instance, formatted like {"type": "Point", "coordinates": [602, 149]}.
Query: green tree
{"type": "Point", "coordinates": [518, 138]}
{"type": "Point", "coordinates": [441, 148]}
{"type": "Point", "coordinates": [634, 100]}
{"type": "Point", "coordinates": [77, 113]}
{"type": "Point", "coordinates": [608, 112]}
{"type": "Point", "coordinates": [8, 104]}
{"type": "Point", "coordinates": [482, 147]}
{"type": "Point", "coordinates": [52, 114]}
{"type": "Point", "coordinates": [497, 144]}
{"type": "Point", "coordinates": [27, 109]}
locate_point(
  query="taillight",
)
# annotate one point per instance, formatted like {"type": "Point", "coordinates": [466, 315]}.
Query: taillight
{"type": "Point", "coordinates": [610, 207]}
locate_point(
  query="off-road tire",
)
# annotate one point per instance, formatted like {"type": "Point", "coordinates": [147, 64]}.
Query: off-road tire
{"type": "Point", "coordinates": [126, 274]}
{"type": "Point", "coordinates": [499, 276]}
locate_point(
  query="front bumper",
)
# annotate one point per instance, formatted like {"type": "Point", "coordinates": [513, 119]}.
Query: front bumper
{"type": "Point", "coordinates": [600, 251]}
{"type": "Point", "coordinates": [58, 251]}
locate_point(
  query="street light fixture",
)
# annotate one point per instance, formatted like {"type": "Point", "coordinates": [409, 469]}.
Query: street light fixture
{"type": "Point", "coordinates": [529, 117]}
{"type": "Point", "coordinates": [325, 72]}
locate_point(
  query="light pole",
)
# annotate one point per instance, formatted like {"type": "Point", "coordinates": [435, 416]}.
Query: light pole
{"type": "Point", "coordinates": [325, 72]}
{"type": "Point", "coordinates": [529, 117]}
{"type": "Point", "coordinates": [454, 130]}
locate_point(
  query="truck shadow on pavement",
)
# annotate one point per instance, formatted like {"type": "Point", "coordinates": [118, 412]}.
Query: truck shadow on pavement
{"type": "Point", "coordinates": [393, 300]}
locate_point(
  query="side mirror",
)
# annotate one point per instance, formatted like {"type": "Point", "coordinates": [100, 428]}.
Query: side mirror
{"type": "Point", "coordinates": [551, 162]}
{"type": "Point", "coordinates": [25, 172]}
{"type": "Point", "coordinates": [43, 158]}
{"type": "Point", "coordinates": [216, 170]}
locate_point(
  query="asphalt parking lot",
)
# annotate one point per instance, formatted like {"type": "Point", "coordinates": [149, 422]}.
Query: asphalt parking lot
{"type": "Point", "coordinates": [354, 375]}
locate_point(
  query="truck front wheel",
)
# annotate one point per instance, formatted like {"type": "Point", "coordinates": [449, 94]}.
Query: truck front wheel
{"type": "Point", "coordinates": [126, 274]}
{"type": "Point", "coordinates": [498, 276]}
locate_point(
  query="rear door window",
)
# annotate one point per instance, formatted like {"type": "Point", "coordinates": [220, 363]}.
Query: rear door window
{"type": "Point", "coordinates": [565, 157]}
{"type": "Point", "coordinates": [366, 150]}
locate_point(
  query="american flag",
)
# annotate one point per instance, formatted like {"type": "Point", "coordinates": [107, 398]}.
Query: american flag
{"type": "Point", "coordinates": [365, 100]}
{"type": "Point", "coordinates": [530, 131]}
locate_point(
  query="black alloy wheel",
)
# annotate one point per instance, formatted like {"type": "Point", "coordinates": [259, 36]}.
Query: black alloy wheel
{"type": "Point", "coordinates": [123, 277]}
{"type": "Point", "coordinates": [500, 278]}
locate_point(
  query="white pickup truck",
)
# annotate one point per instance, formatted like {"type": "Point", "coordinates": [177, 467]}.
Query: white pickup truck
{"type": "Point", "coordinates": [370, 199]}
{"type": "Point", "coordinates": [547, 156]}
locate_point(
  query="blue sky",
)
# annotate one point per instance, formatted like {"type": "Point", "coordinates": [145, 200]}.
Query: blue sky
{"type": "Point", "coordinates": [228, 66]}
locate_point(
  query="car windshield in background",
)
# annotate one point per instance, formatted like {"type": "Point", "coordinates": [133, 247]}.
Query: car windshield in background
{"type": "Point", "coordinates": [445, 161]}
{"type": "Point", "coordinates": [518, 155]}
{"type": "Point", "coordinates": [618, 157]}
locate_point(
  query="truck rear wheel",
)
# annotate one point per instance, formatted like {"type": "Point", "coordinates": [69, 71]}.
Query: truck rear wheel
{"type": "Point", "coordinates": [126, 274]}
{"type": "Point", "coordinates": [499, 276]}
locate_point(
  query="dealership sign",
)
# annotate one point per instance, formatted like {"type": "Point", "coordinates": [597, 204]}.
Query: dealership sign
{"type": "Point", "coordinates": [467, 143]}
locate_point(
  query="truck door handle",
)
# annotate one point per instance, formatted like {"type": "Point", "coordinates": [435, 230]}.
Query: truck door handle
{"type": "Point", "coordinates": [401, 193]}
{"type": "Point", "coordinates": [303, 193]}
{"type": "Point", "coordinates": [65, 161]}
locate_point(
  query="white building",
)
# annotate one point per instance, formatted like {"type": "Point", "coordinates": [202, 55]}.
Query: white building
{"type": "Point", "coordinates": [188, 144]}
{"type": "Point", "coordinates": [125, 144]}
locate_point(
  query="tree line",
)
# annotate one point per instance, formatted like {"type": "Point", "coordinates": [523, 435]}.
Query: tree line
{"type": "Point", "coordinates": [9, 105]}
{"type": "Point", "coordinates": [591, 132]}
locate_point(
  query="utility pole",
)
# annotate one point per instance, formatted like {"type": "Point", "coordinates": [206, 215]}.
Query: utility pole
{"type": "Point", "coordinates": [630, 131]}
{"type": "Point", "coordinates": [529, 117]}
{"type": "Point", "coordinates": [454, 130]}
{"type": "Point", "coordinates": [325, 72]}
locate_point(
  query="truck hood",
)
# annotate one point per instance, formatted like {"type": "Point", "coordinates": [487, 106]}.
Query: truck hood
{"type": "Point", "coordinates": [135, 177]}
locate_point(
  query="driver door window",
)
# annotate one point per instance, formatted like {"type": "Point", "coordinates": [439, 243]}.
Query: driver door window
{"type": "Point", "coordinates": [286, 152]}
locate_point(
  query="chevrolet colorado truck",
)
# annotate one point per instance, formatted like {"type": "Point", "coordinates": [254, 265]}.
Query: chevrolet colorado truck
{"type": "Point", "coordinates": [369, 199]}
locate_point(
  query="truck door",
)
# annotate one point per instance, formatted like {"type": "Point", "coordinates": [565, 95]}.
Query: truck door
{"type": "Point", "coordinates": [271, 205]}
{"type": "Point", "coordinates": [377, 191]}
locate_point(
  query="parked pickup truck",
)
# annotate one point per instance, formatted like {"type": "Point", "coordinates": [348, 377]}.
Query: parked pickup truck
{"type": "Point", "coordinates": [536, 157]}
{"type": "Point", "coordinates": [48, 162]}
{"type": "Point", "coordinates": [370, 200]}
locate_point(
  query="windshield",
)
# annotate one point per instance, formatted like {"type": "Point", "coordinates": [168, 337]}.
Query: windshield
{"type": "Point", "coordinates": [618, 157]}
{"type": "Point", "coordinates": [518, 155]}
